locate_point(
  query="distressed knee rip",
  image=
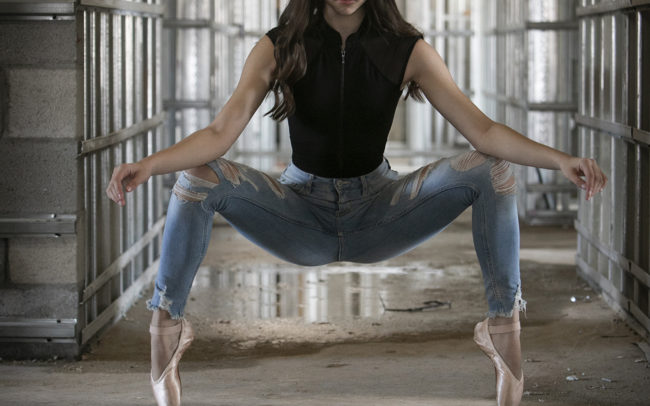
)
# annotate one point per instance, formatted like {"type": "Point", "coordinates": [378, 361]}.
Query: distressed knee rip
{"type": "Point", "coordinates": [468, 160]}
{"type": "Point", "coordinates": [416, 180]}
{"type": "Point", "coordinates": [188, 195]}
{"type": "Point", "coordinates": [503, 178]}
{"type": "Point", "coordinates": [501, 173]}
{"type": "Point", "coordinates": [236, 174]}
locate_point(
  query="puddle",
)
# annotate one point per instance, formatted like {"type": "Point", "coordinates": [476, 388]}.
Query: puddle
{"type": "Point", "coordinates": [317, 295]}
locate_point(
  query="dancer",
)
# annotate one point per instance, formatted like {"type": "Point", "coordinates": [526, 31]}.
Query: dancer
{"type": "Point", "coordinates": [337, 69]}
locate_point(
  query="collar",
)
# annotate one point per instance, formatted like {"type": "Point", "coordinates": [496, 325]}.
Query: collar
{"type": "Point", "coordinates": [323, 31]}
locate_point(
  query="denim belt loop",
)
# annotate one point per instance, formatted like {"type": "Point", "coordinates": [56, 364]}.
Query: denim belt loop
{"type": "Point", "coordinates": [364, 185]}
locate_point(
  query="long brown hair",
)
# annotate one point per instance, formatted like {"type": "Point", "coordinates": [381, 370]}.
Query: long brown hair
{"type": "Point", "coordinates": [290, 55]}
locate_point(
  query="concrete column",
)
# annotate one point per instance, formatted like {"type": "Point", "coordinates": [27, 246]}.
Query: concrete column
{"type": "Point", "coordinates": [39, 116]}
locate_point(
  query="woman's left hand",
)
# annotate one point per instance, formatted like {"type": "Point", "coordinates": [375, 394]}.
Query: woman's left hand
{"type": "Point", "coordinates": [575, 168]}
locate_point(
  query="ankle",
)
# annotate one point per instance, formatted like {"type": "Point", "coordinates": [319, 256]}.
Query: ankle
{"type": "Point", "coordinates": [501, 321]}
{"type": "Point", "coordinates": [162, 318]}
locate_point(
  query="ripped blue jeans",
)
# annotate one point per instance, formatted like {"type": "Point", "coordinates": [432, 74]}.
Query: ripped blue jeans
{"type": "Point", "coordinates": [310, 220]}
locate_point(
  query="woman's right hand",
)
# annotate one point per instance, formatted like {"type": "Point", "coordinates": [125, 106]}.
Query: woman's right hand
{"type": "Point", "coordinates": [127, 176]}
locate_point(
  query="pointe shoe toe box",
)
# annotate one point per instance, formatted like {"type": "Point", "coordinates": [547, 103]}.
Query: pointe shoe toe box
{"type": "Point", "coordinates": [167, 388]}
{"type": "Point", "coordinates": [509, 388]}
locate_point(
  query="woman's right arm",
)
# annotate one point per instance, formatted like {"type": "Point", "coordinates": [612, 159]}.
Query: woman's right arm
{"type": "Point", "coordinates": [209, 143]}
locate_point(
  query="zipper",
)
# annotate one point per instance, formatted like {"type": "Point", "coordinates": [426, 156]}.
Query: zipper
{"type": "Point", "coordinates": [340, 140]}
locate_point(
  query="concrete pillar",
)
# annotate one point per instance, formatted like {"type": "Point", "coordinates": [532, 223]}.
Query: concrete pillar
{"type": "Point", "coordinates": [39, 116]}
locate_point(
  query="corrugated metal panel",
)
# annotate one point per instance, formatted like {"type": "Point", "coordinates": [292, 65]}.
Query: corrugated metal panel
{"type": "Point", "coordinates": [614, 229]}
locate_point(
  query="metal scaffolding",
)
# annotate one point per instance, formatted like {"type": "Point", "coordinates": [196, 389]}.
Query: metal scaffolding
{"type": "Point", "coordinates": [530, 57]}
{"type": "Point", "coordinates": [123, 119]}
{"type": "Point", "coordinates": [206, 43]}
{"type": "Point", "coordinates": [614, 229]}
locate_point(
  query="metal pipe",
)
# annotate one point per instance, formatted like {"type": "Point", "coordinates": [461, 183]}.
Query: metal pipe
{"type": "Point", "coordinates": [610, 6]}
{"type": "Point", "coordinates": [124, 6]}
{"type": "Point", "coordinates": [52, 225]}
{"type": "Point", "coordinates": [123, 260]}
{"type": "Point", "coordinates": [109, 140]}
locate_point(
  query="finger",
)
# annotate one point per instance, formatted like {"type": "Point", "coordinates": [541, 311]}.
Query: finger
{"type": "Point", "coordinates": [604, 180]}
{"type": "Point", "coordinates": [601, 181]}
{"type": "Point", "coordinates": [119, 183]}
{"type": "Point", "coordinates": [575, 178]}
{"type": "Point", "coordinates": [113, 192]}
{"type": "Point", "coordinates": [132, 184]}
{"type": "Point", "coordinates": [120, 194]}
{"type": "Point", "coordinates": [600, 176]}
{"type": "Point", "coordinates": [110, 191]}
{"type": "Point", "coordinates": [590, 177]}
{"type": "Point", "coordinates": [593, 181]}
{"type": "Point", "coordinates": [119, 197]}
{"type": "Point", "coordinates": [117, 191]}
{"type": "Point", "coordinates": [136, 179]}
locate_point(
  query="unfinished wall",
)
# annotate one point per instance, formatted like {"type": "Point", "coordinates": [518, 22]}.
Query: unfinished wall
{"type": "Point", "coordinates": [79, 84]}
{"type": "Point", "coordinates": [40, 188]}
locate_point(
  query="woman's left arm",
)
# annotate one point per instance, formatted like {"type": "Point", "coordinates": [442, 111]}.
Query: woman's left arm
{"type": "Point", "coordinates": [428, 70]}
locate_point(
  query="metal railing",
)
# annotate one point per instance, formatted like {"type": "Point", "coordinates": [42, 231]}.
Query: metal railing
{"type": "Point", "coordinates": [123, 122]}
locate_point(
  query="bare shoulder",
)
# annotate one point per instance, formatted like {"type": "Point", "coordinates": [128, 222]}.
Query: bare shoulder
{"type": "Point", "coordinates": [260, 62]}
{"type": "Point", "coordinates": [263, 51]}
{"type": "Point", "coordinates": [422, 59]}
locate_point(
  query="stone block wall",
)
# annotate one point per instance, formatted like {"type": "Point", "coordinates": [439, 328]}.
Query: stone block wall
{"type": "Point", "coordinates": [79, 94]}
{"type": "Point", "coordinates": [40, 275]}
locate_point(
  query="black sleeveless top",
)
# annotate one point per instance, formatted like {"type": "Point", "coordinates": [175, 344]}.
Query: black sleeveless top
{"type": "Point", "coordinates": [346, 101]}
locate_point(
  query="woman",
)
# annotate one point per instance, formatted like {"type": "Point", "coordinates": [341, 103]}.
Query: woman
{"type": "Point", "coordinates": [337, 69]}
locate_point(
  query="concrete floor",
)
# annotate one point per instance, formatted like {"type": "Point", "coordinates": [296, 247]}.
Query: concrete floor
{"type": "Point", "coordinates": [270, 333]}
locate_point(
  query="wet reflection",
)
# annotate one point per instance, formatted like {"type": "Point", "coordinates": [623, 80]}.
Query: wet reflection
{"type": "Point", "coordinates": [315, 295]}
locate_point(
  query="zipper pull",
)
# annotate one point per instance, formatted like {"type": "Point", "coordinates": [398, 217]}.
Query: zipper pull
{"type": "Point", "coordinates": [343, 55]}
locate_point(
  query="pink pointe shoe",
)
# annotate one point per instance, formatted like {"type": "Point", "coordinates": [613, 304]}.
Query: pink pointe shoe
{"type": "Point", "coordinates": [509, 388]}
{"type": "Point", "coordinates": [167, 388]}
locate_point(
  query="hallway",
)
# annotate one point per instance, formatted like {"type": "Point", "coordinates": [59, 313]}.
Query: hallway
{"type": "Point", "coordinates": [245, 356]}
{"type": "Point", "coordinates": [89, 85]}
